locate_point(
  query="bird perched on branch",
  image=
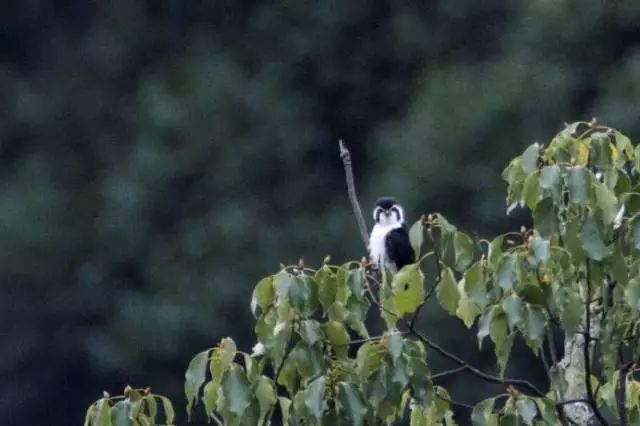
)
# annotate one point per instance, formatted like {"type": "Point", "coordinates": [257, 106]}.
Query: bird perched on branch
{"type": "Point", "coordinates": [389, 245]}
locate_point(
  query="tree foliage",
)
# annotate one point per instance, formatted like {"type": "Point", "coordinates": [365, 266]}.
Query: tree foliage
{"type": "Point", "coordinates": [339, 344]}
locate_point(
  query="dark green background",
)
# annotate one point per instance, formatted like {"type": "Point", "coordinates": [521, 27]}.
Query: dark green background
{"type": "Point", "coordinates": [158, 157]}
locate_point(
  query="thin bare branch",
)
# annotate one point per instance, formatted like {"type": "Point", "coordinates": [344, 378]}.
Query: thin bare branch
{"type": "Point", "coordinates": [475, 371]}
{"type": "Point", "coordinates": [448, 372]}
{"type": "Point", "coordinates": [454, 402]}
{"type": "Point", "coordinates": [345, 155]}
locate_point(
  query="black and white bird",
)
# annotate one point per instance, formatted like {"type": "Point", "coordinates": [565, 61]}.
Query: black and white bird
{"type": "Point", "coordinates": [389, 245]}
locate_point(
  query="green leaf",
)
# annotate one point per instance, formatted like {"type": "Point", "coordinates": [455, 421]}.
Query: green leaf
{"type": "Point", "coordinates": [498, 328]}
{"type": "Point", "coordinates": [394, 345]}
{"type": "Point", "coordinates": [578, 181]}
{"type": "Point", "coordinates": [466, 311]}
{"type": "Point", "coordinates": [601, 151]}
{"type": "Point", "coordinates": [303, 294]}
{"type": "Point", "coordinates": [309, 360]}
{"type": "Point", "coordinates": [169, 412]}
{"type": "Point", "coordinates": [222, 357]}
{"type": "Point", "coordinates": [495, 251]}
{"type": "Point", "coordinates": [314, 398]}
{"type": "Point", "coordinates": [194, 378]}
{"type": "Point", "coordinates": [541, 248]}
{"type": "Point", "coordinates": [532, 294]}
{"type": "Point", "coordinates": [310, 331]}
{"type": "Point", "coordinates": [327, 287]}
{"type": "Point", "coordinates": [503, 352]}
{"type": "Point", "coordinates": [482, 413]}
{"type": "Point", "coordinates": [464, 248]}
{"type": "Point", "coordinates": [120, 414]}
{"type": "Point", "coordinates": [417, 369]}
{"type": "Point", "coordinates": [624, 148]}
{"type": "Point", "coordinates": [572, 239]}
{"type": "Point", "coordinates": [513, 307]}
{"type": "Point", "coordinates": [369, 359]}
{"type": "Point", "coordinates": [545, 218]}
{"type": "Point", "coordinates": [407, 289]}
{"type": "Point", "coordinates": [357, 283]}
{"type": "Point", "coordinates": [634, 234]}
{"type": "Point", "coordinates": [416, 237]}
{"type": "Point", "coordinates": [210, 397]}
{"type": "Point", "coordinates": [152, 406]}
{"type": "Point", "coordinates": [531, 191]}
{"type": "Point", "coordinates": [548, 411]}
{"type": "Point", "coordinates": [103, 413]}
{"type": "Point", "coordinates": [285, 405]}
{"type": "Point", "coordinates": [338, 337]}
{"type": "Point", "coordinates": [266, 395]}
{"type": "Point", "coordinates": [592, 240]}
{"type": "Point", "coordinates": [474, 284]}
{"type": "Point", "coordinates": [90, 414]}
{"type": "Point", "coordinates": [376, 386]}
{"type": "Point", "coordinates": [572, 310]}
{"type": "Point", "coordinates": [607, 202]}
{"type": "Point", "coordinates": [632, 293]}
{"type": "Point", "coordinates": [483, 327]}
{"type": "Point", "coordinates": [351, 403]}
{"type": "Point", "coordinates": [281, 283]}
{"type": "Point", "coordinates": [550, 182]}
{"type": "Point", "coordinates": [506, 273]}
{"type": "Point", "coordinates": [262, 295]}
{"type": "Point", "coordinates": [608, 391]}
{"type": "Point", "coordinates": [527, 410]}
{"type": "Point", "coordinates": [535, 323]}
{"type": "Point", "coordinates": [447, 291]}
{"type": "Point", "coordinates": [530, 158]}
{"type": "Point", "coordinates": [235, 388]}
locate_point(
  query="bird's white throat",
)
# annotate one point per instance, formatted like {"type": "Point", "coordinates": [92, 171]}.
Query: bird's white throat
{"type": "Point", "coordinates": [377, 246]}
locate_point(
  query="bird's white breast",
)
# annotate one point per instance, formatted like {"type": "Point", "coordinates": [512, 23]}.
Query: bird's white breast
{"type": "Point", "coordinates": [377, 247]}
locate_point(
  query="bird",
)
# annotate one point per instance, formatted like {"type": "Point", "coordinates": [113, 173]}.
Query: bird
{"type": "Point", "coordinates": [389, 245]}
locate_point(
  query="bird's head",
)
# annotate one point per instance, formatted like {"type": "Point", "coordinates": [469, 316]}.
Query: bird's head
{"type": "Point", "coordinates": [388, 212]}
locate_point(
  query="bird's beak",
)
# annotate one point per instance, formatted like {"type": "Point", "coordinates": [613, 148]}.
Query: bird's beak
{"type": "Point", "coordinates": [387, 213]}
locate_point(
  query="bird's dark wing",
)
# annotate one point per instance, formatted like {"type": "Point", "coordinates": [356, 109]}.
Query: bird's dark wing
{"type": "Point", "coordinates": [398, 247]}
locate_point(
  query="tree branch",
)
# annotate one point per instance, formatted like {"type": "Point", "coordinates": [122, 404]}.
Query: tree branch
{"type": "Point", "coordinates": [473, 370]}
{"type": "Point", "coordinates": [345, 155]}
{"type": "Point", "coordinates": [454, 402]}
{"type": "Point", "coordinates": [587, 355]}
{"type": "Point", "coordinates": [447, 372]}
{"type": "Point", "coordinates": [430, 293]}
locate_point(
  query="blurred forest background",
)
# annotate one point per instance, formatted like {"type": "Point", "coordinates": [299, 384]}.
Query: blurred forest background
{"type": "Point", "coordinates": [158, 157]}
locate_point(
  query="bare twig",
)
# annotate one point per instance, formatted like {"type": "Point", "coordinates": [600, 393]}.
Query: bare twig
{"type": "Point", "coordinates": [345, 155]}
{"type": "Point", "coordinates": [216, 419]}
{"type": "Point", "coordinates": [430, 293]}
{"type": "Point", "coordinates": [475, 371]}
{"type": "Point", "coordinates": [454, 402]}
{"type": "Point", "coordinates": [448, 372]}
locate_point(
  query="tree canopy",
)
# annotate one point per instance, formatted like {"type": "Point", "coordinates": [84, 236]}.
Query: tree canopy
{"type": "Point", "coordinates": [340, 344]}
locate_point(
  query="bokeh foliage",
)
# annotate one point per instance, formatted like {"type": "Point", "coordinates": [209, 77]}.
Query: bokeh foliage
{"type": "Point", "coordinates": [157, 157]}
